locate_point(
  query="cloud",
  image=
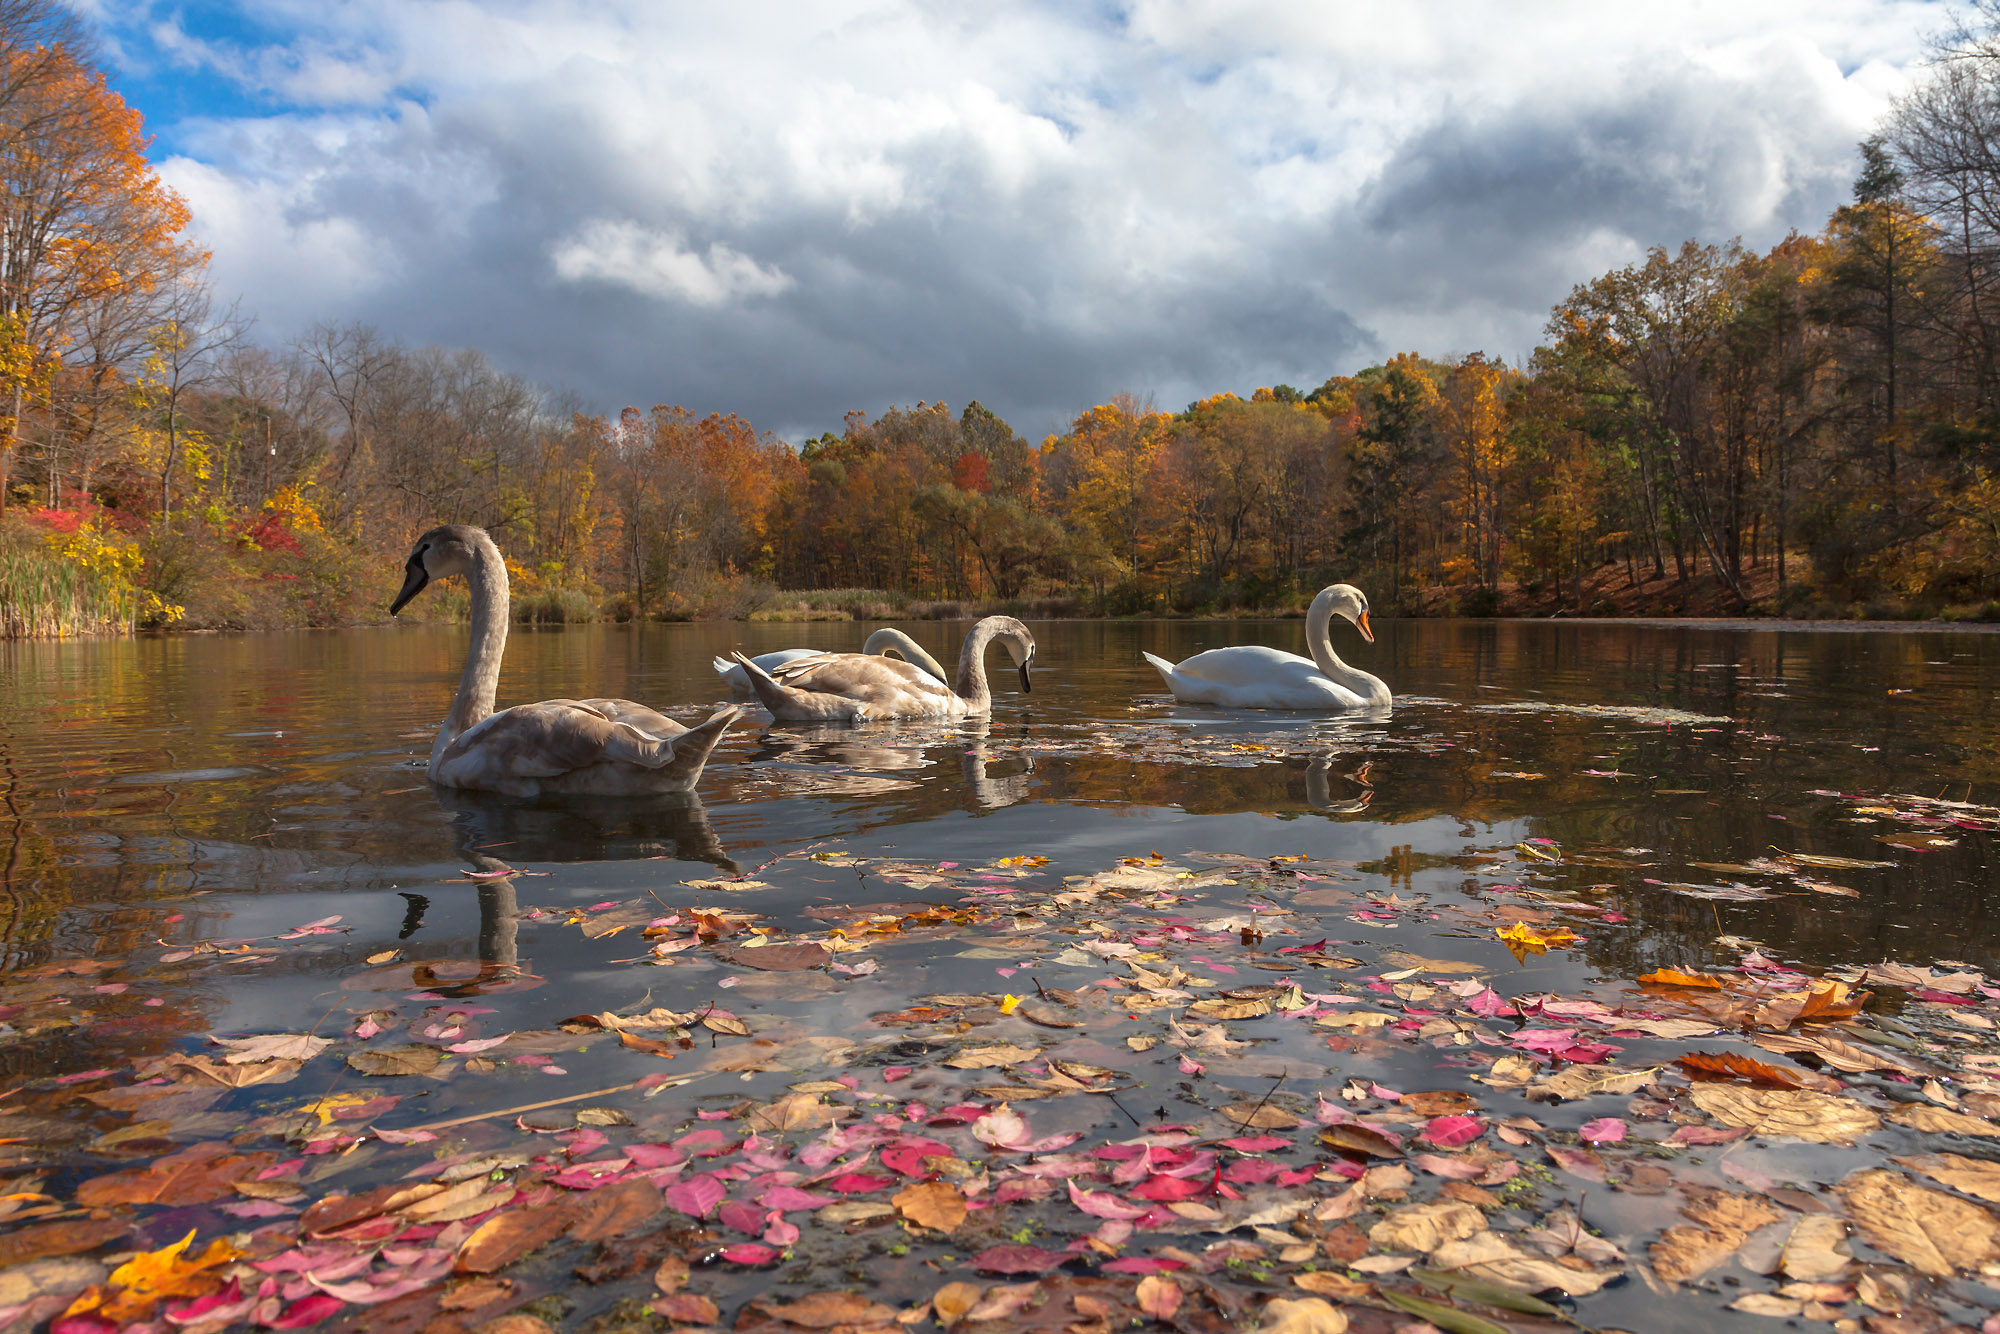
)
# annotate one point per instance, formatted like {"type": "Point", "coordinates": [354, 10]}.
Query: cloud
{"type": "Point", "coordinates": [658, 264]}
{"type": "Point", "coordinates": [793, 209]}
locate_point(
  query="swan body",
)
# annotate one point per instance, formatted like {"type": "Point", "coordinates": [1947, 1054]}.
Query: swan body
{"type": "Point", "coordinates": [1255, 677]}
{"type": "Point", "coordinates": [602, 747]}
{"type": "Point", "coordinates": [861, 687]}
{"type": "Point", "coordinates": [886, 641]}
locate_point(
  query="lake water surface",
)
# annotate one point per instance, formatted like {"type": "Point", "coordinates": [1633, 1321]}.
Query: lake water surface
{"type": "Point", "coordinates": [1642, 785]}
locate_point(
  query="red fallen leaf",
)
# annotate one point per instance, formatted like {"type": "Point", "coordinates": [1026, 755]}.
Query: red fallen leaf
{"type": "Point", "coordinates": [1730, 1065]}
{"type": "Point", "coordinates": [1257, 1143]}
{"type": "Point", "coordinates": [1141, 1264]}
{"type": "Point", "coordinates": [307, 1311]}
{"type": "Point", "coordinates": [619, 1209]}
{"type": "Point", "coordinates": [746, 1218]}
{"type": "Point", "coordinates": [1019, 1260]}
{"type": "Point", "coordinates": [1170, 1188]}
{"type": "Point", "coordinates": [857, 1183]}
{"type": "Point", "coordinates": [197, 1174]}
{"type": "Point", "coordinates": [696, 1196]}
{"type": "Point", "coordinates": [749, 1253]}
{"type": "Point", "coordinates": [1577, 1162]}
{"type": "Point", "coordinates": [1448, 1132]}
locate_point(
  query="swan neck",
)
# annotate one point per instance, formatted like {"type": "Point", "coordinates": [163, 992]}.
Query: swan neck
{"type": "Point", "coordinates": [1319, 638]}
{"type": "Point", "coordinates": [971, 685]}
{"type": "Point", "coordinates": [481, 678]}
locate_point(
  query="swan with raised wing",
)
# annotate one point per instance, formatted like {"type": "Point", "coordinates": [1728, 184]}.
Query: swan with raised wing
{"type": "Point", "coordinates": [1254, 677]}
{"type": "Point", "coordinates": [860, 687]}
{"type": "Point", "coordinates": [884, 642]}
{"type": "Point", "coordinates": [606, 747]}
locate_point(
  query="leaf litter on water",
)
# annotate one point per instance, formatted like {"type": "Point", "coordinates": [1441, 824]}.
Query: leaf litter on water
{"type": "Point", "coordinates": [1052, 1176]}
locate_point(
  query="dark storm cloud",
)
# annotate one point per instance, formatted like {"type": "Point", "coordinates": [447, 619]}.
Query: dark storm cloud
{"type": "Point", "coordinates": [793, 217]}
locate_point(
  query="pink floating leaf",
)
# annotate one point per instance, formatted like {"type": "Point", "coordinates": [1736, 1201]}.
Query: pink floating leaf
{"type": "Point", "coordinates": [697, 1196]}
{"type": "Point", "coordinates": [749, 1253]}
{"type": "Point", "coordinates": [1018, 1260]}
{"type": "Point", "coordinates": [1448, 1132]}
{"type": "Point", "coordinates": [1604, 1130]}
{"type": "Point", "coordinates": [1103, 1204]}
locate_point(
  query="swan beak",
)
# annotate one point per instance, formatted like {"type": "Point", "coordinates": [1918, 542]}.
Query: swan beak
{"type": "Point", "coordinates": [1361, 624]}
{"type": "Point", "coordinates": [1026, 688]}
{"type": "Point", "coordinates": [415, 576]}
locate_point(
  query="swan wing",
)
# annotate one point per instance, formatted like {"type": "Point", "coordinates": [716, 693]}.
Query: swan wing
{"type": "Point", "coordinates": [602, 745]}
{"type": "Point", "coordinates": [1249, 664]}
{"type": "Point", "coordinates": [852, 686]}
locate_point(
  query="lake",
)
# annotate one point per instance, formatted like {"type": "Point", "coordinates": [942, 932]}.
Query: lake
{"type": "Point", "coordinates": [234, 837]}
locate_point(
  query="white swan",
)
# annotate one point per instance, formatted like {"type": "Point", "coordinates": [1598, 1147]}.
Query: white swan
{"type": "Point", "coordinates": [859, 687]}
{"type": "Point", "coordinates": [1254, 677]}
{"type": "Point", "coordinates": [885, 641]}
{"type": "Point", "coordinates": [606, 747]}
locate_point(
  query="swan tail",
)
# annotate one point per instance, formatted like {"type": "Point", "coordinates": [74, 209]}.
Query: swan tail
{"type": "Point", "coordinates": [1165, 668]}
{"type": "Point", "coordinates": [692, 747]}
{"type": "Point", "coordinates": [722, 665]}
{"type": "Point", "coordinates": [769, 693]}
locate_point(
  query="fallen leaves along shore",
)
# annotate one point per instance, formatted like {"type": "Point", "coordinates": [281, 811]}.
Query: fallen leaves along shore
{"type": "Point", "coordinates": [1204, 1094]}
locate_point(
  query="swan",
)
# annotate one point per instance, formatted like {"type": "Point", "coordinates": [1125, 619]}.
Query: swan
{"type": "Point", "coordinates": [860, 687]}
{"type": "Point", "coordinates": [603, 747]}
{"type": "Point", "coordinates": [884, 641]}
{"type": "Point", "coordinates": [1255, 677]}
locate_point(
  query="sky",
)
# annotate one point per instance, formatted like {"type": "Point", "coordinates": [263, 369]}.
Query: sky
{"type": "Point", "coordinates": [793, 210]}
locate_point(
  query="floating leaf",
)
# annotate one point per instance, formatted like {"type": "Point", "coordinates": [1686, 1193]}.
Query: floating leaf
{"type": "Point", "coordinates": [932, 1204]}
{"type": "Point", "coordinates": [1938, 1234]}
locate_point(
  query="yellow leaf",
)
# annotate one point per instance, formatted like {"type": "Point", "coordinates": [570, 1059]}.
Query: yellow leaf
{"type": "Point", "coordinates": [324, 1108]}
{"type": "Point", "coordinates": [151, 1275]}
{"type": "Point", "coordinates": [1009, 1004]}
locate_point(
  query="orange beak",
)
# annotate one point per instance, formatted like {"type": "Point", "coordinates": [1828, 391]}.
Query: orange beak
{"type": "Point", "coordinates": [1361, 624]}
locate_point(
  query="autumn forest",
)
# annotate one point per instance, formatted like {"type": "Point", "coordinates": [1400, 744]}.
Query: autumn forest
{"type": "Point", "coordinates": [1808, 430]}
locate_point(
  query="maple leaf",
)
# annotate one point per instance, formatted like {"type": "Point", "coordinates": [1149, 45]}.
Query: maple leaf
{"type": "Point", "coordinates": [135, 1286]}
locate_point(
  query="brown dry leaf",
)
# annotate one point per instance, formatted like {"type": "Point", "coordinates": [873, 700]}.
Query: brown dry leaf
{"type": "Point", "coordinates": [198, 1174]}
{"type": "Point", "coordinates": [1306, 1315]}
{"type": "Point", "coordinates": [1928, 1229]}
{"type": "Point", "coordinates": [509, 1235]}
{"type": "Point", "coordinates": [66, 1238]}
{"type": "Point", "coordinates": [722, 1023]}
{"type": "Point", "coordinates": [651, 1046]}
{"type": "Point", "coordinates": [1974, 1176]}
{"type": "Point", "coordinates": [1440, 1102]}
{"type": "Point", "coordinates": [990, 1058]}
{"type": "Point", "coordinates": [687, 1307]}
{"type": "Point", "coordinates": [1939, 1121]}
{"type": "Point", "coordinates": [781, 958]}
{"type": "Point", "coordinates": [1224, 1008]}
{"type": "Point", "coordinates": [824, 1310]}
{"type": "Point", "coordinates": [1045, 1015]}
{"type": "Point", "coordinates": [1360, 1139]}
{"type": "Point", "coordinates": [950, 1302]}
{"type": "Point", "coordinates": [1673, 977]}
{"type": "Point", "coordinates": [1327, 1284]}
{"type": "Point", "coordinates": [1159, 1296]}
{"type": "Point", "coordinates": [1425, 1227]}
{"type": "Point", "coordinates": [1764, 1303]}
{"type": "Point", "coordinates": [479, 1292]}
{"type": "Point", "coordinates": [1265, 1117]}
{"type": "Point", "coordinates": [1003, 1300]}
{"type": "Point", "coordinates": [203, 1072]}
{"type": "Point", "coordinates": [617, 1210]}
{"type": "Point", "coordinates": [410, 1058]}
{"type": "Point", "coordinates": [672, 1275]}
{"type": "Point", "coordinates": [1850, 1057]}
{"type": "Point", "coordinates": [1584, 1081]}
{"type": "Point", "coordinates": [1490, 1256]}
{"type": "Point", "coordinates": [795, 1111]}
{"type": "Point", "coordinates": [1800, 1113]}
{"type": "Point", "coordinates": [1817, 1249]}
{"type": "Point", "coordinates": [1825, 1001]}
{"type": "Point", "coordinates": [1684, 1253]}
{"type": "Point", "coordinates": [1730, 1065]}
{"type": "Point", "coordinates": [931, 1204]}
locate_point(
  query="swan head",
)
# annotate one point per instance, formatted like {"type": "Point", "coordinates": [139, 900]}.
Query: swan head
{"type": "Point", "coordinates": [452, 548]}
{"type": "Point", "coordinates": [1352, 603]}
{"type": "Point", "coordinates": [1020, 643]}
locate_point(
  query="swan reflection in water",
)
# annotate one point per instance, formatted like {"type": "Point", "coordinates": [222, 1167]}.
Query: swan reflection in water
{"type": "Point", "coordinates": [1319, 786]}
{"type": "Point", "coordinates": [835, 760]}
{"type": "Point", "coordinates": [495, 833]}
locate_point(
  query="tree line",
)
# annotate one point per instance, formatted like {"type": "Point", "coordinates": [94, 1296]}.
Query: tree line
{"type": "Point", "coordinates": [1814, 428]}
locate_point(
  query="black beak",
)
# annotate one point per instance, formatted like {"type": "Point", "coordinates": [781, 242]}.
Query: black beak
{"type": "Point", "coordinates": [1026, 687]}
{"type": "Point", "coordinates": [415, 576]}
